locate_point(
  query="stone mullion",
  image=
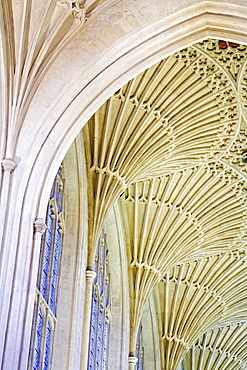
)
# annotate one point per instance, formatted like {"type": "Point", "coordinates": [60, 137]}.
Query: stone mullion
{"type": "Point", "coordinates": [47, 316]}
{"type": "Point", "coordinates": [45, 311]}
{"type": "Point", "coordinates": [37, 305]}
{"type": "Point", "coordinates": [39, 229]}
{"type": "Point", "coordinates": [90, 276]}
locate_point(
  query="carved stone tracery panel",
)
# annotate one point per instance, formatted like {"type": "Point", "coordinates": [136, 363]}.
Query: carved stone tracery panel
{"type": "Point", "coordinates": [170, 143]}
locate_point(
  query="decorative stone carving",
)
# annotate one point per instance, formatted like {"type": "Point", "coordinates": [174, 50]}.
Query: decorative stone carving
{"type": "Point", "coordinates": [223, 89]}
{"type": "Point", "coordinates": [175, 217]}
{"type": "Point", "coordinates": [156, 123]}
{"type": "Point", "coordinates": [8, 164]}
{"type": "Point", "coordinates": [76, 8]}
{"type": "Point", "coordinates": [220, 348]}
{"type": "Point", "coordinates": [234, 155]}
{"type": "Point", "coordinates": [132, 362]}
{"type": "Point", "coordinates": [81, 9]}
{"type": "Point", "coordinates": [195, 296]}
{"type": "Point", "coordinates": [40, 225]}
{"type": "Point", "coordinates": [90, 275]}
{"type": "Point", "coordinates": [164, 142]}
{"type": "Point", "coordinates": [231, 58]}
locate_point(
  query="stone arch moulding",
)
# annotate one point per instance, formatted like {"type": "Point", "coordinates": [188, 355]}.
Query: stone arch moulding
{"type": "Point", "coordinates": [120, 63]}
{"type": "Point", "coordinates": [185, 24]}
{"type": "Point", "coordinates": [63, 119]}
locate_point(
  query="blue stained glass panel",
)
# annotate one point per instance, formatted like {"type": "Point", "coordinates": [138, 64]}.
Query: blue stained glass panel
{"type": "Point", "coordinates": [54, 272]}
{"type": "Point", "coordinates": [48, 276]}
{"type": "Point", "coordinates": [59, 199]}
{"type": "Point", "coordinates": [36, 356]}
{"type": "Point", "coordinates": [106, 292]}
{"type": "Point", "coordinates": [96, 266]}
{"type": "Point", "coordinates": [139, 354]}
{"type": "Point", "coordinates": [93, 332]}
{"type": "Point", "coordinates": [100, 280]}
{"type": "Point", "coordinates": [47, 254]}
{"type": "Point", "coordinates": [140, 366]}
{"type": "Point", "coordinates": [105, 346]}
{"type": "Point", "coordinates": [99, 340]}
{"type": "Point", "coordinates": [47, 346]}
{"type": "Point", "coordinates": [59, 172]}
{"type": "Point", "coordinates": [52, 193]}
{"type": "Point", "coordinates": [99, 335]}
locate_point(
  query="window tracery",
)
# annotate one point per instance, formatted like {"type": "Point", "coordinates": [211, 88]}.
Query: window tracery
{"type": "Point", "coordinates": [44, 318]}
{"type": "Point", "coordinates": [139, 350]}
{"type": "Point", "coordinates": [100, 314]}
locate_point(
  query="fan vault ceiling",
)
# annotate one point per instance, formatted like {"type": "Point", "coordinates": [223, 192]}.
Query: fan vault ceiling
{"type": "Point", "coordinates": [170, 144]}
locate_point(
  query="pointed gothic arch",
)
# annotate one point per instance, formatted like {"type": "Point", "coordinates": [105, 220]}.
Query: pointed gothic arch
{"type": "Point", "coordinates": [52, 133]}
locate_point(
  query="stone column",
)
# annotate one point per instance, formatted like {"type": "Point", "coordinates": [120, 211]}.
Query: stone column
{"type": "Point", "coordinates": [132, 362]}
{"type": "Point", "coordinates": [39, 229]}
{"type": "Point", "coordinates": [90, 276]}
{"type": "Point", "coordinates": [22, 304]}
{"type": "Point", "coordinates": [8, 166]}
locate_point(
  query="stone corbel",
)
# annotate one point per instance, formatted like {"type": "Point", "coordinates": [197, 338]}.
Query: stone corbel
{"type": "Point", "coordinates": [8, 164]}
{"type": "Point", "coordinates": [39, 226]}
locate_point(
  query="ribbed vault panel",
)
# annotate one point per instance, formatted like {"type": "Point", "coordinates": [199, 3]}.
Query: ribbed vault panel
{"type": "Point", "coordinates": [233, 156]}
{"type": "Point", "coordinates": [233, 61]}
{"type": "Point", "coordinates": [197, 295]}
{"type": "Point", "coordinates": [223, 348]}
{"type": "Point", "coordinates": [181, 111]}
{"type": "Point", "coordinates": [179, 217]}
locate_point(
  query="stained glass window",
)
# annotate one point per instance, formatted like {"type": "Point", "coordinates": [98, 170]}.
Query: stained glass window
{"type": "Point", "coordinates": [38, 340]}
{"type": "Point", "coordinates": [139, 350]}
{"type": "Point", "coordinates": [100, 327]}
{"type": "Point", "coordinates": [45, 305]}
{"type": "Point", "coordinates": [47, 345]}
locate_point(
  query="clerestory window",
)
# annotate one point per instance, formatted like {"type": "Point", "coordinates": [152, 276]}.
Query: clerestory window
{"type": "Point", "coordinates": [100, 313]}
{"type": "Point", "coordinates": [44, 319]}
{"type": "Point", "coordinates": [139, 350]}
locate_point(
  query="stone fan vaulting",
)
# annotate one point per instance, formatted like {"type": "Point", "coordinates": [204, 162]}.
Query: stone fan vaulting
{"type": "Point", "coordinates": [170, 116]}
{"type": "Point", "coordinates": [221, 348]}
{"type": "Point", "coordinates": [169, 143]}
{"type": "Point", "coordinates": [171, 220]}
{"type": "Point", "coordinates": [196, 296]}
{"type": "Point", "coordinates": [166, 144]}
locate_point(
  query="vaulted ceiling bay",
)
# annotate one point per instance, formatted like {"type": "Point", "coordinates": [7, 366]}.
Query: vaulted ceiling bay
{"type": "Point", "coordinates": [169, 145]}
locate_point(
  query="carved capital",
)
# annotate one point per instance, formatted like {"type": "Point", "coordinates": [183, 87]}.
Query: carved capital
{"type": "Point", "coordinates": [8, 164]}
{"type": "Point", "coordinates": [75, 7]}
{"type": "Point", "coordinates": [39, 225]}
{"type": "Point", "coordinates": [90, 275]}
{"type": "Point", "coordinates": [133, 360]}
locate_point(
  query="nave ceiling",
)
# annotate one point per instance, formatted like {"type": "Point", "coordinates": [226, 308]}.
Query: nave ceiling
{"type": "Point", "coordinates": [221, 348]}
{"type": "Point", "coordinates": [169, 145]}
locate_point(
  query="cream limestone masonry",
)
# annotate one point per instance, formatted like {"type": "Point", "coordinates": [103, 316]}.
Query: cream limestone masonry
{"type": "Point", "coordinates": [59, 62]}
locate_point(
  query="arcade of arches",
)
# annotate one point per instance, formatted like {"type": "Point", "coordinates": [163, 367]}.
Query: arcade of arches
{"type": "Point", "coordinates": [140, 260]}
